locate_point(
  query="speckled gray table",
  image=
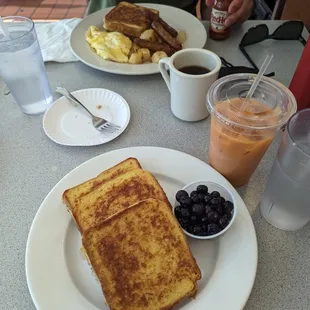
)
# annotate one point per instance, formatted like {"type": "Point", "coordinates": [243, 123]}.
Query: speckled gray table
{"type": "Point", "coordinates": [31, 165]}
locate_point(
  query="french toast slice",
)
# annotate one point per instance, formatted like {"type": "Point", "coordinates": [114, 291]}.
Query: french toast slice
{"type": "Point", "coordinates": [71, 195]}
{"type": "Point", "coordinates": [142, 259]}
{"type": "Point", "coordinates": [129, 19]}
{"type": "Point", "coordinates": [114, 196]}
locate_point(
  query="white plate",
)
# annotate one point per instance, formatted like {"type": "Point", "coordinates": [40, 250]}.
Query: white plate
{"type": "Point", "coordinates": [69, 125]}
{"type": "Point", "coordinates": [177, 18]}
{"type": "Point", "coordinates": [59, 278]}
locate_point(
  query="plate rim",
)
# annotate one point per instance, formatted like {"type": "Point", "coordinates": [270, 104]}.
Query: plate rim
{"type": "Point", "coordinates": [132, 73]}
{"type": "Point", "coordinates": [121, 131]}
{"type": "Point", "coordinates": [123, 152]}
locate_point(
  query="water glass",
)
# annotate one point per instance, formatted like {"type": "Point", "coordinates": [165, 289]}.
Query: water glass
{"type": "Point", "coordinates": [285, 202]}
{"type": "Point", "coordinates": [22, 67]}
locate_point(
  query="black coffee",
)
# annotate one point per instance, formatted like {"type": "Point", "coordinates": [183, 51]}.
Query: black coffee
{"type": "Point", "coordinates": [195, 70]}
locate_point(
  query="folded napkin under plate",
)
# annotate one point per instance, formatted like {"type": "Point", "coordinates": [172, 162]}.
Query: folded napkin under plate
{"type": "Point", "coordinates": [54, 39]}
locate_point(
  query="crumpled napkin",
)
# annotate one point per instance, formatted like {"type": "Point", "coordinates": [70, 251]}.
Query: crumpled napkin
{"type": "Point", "coordinates": [54, 39]}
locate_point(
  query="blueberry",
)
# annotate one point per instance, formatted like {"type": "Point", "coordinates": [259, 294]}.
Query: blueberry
{"type": "Point", "coordinates": [223, 222]}
{"type": "Point", "coordinates": [193, 193]}
{"type": "Point", "coordinates": [222, 200]}
{"type": "Point", "coordinates": [213, 217]}
{"type": "Point", "coordinates": [204, 220]}
{"type": "Point", "coordinates": [197, 230]}
{"type": "Point", "coordinates": [195, 198]}
{"type": "Point", "coordinates": [204, 230]}
{"type": "Point", "coordinates": [207, 198]}
{"type": "Point", "coordinates": [185, 212]}
{"type": "Point", "coordinates": [190, 229]}
{"type": "Point", "coordinates": [202, 189]}
{"type": "Point", "coordinates": [201, 196]}
{"type": "Point", "coordinates": [198, 209]}
{"type": "Point", "coordinates": [228, 206]}
{"type": "Point", "coordinates": [185, 201]}
{"type": "Point", "coordinates": [215, 201]}
{"type": "Point", "coordinates": [204, 227]}
{"type": "Point", "coordinates": [219, 209]}
{"type": "Point", "coordinates": [193, 219]}
{"type": "Point", "coordinates": [228, 216]}
{"type": "Point", "coordinates": [213, 229]}
{"type": "Point", "coordinates": [177, 211]}
{"type": "Point", "coordinates": [215, 194]}
{"type": "Point", "coordinates": [180, 194]}
{"type": "Point", "coordinates": [183, 224]}
{"type": "Point", "coordinates": [185, 220]}
{"type": "Point", "coordinates": [207, 209]}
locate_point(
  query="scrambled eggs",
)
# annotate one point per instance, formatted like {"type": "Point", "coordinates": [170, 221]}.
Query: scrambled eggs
{"type": "Point", "coordinates": [109, 45]}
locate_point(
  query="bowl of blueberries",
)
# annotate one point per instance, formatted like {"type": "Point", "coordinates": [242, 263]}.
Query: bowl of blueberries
{"type": "Point", "coordinates": [205, 210]}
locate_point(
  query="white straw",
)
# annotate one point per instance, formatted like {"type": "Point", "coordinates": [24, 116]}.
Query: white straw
{"type": "Point", "coordinates": [4, 29]}
{"type": "Point", "coordinates": [259, 76]}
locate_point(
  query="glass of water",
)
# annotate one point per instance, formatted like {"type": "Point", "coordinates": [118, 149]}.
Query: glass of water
{"type": "Point", "coordinates": [285, 203]}
{"type": "Point", "coordinates": [21, 65]}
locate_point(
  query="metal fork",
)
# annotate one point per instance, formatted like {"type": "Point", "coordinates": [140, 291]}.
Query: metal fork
{"type": "Point", "coordinates": [99, 123]}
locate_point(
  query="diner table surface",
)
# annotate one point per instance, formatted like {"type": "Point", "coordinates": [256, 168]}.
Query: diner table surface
{"type": "Point", "coordinates": [31, 164]}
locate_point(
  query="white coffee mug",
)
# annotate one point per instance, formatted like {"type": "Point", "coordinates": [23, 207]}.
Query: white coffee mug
{"type": "Point", "coordinates": [188, 91]}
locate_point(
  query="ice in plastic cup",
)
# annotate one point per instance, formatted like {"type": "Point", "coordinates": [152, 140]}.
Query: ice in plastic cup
{"type": "Point", "coordinates": [22, 67]}
{"type": "Point", "coordinates": [285, 202]}
{"type": "Point", "coordinates": [241, 131]}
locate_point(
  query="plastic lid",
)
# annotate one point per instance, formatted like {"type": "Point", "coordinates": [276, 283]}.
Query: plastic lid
{"type": "Point", "coordinates": [270, 107]}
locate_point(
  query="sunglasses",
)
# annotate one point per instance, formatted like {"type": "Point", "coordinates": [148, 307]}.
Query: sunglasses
{"type": "Point", "coordinates": [228, 69]}
{"type": "Point", "coordinates": [290, 30]}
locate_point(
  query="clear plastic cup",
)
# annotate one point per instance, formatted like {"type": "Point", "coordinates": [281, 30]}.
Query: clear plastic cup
{"type": "Point", "coordinates": [241, 131]}
{"type": "Point", "coordinates": [285, 202]}
{"type": "Point", "coordinates": [22, 67]}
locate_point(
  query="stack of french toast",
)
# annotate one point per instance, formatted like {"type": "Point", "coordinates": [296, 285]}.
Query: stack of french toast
{"type": "Point", "coordinates": [134, 243]}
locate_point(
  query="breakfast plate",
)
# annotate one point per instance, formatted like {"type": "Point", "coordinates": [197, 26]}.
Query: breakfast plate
{"type": "Point", "coordinates": [177, 18]}
{"type": "Point", "coordinates": [69, 125]}
{"type": "Point", "coordinates": [59, 277]}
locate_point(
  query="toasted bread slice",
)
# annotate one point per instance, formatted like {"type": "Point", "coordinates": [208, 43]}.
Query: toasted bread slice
{"type": "Point", "coordinates": [114, 196]}
{"type": "Point", "coordinates": [142, 259]}
{"type": "Point", "coordinates": [71, 195]}
{"type": "Point", "coordinates": [129, 19]}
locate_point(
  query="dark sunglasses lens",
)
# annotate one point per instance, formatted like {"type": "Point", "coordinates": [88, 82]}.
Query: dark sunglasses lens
{"type": "Point", "coordinates": [289, 31]}
{"type": "Point", "coordinates": [240, 69]}
{"type": "Point", "coordinates": [255, 35]}
{"type": "Point", "coordinates": [235, 70]}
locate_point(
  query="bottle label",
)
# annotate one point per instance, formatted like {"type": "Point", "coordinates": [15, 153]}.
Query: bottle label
{"type": "Point", "coordinates": [218, 20]}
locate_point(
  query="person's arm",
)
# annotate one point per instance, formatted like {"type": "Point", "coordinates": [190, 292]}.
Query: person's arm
{"type": "Point", "coordinates": [198, 10]}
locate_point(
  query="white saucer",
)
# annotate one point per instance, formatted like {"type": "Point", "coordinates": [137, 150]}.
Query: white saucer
{"type": "Point", "coordinates": [69, 125]}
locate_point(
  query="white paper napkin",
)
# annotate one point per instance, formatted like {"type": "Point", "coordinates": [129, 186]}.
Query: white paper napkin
{"type": "Point", "coordinates": [54, 39]}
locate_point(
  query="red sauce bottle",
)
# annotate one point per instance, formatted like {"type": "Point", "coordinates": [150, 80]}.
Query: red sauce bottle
{"type": "Point", "coordinates": [300, 85]}
{"type": "Point", "coordinates": [218, 30]}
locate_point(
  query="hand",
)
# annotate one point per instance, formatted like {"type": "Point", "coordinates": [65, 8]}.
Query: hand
{"type": "Point", "coordinates": [239, 11]}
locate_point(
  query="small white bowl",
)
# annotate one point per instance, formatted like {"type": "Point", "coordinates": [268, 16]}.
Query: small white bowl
{"type": "Point", "coordinates": [225, 193]}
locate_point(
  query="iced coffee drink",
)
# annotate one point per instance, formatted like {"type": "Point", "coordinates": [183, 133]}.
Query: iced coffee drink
{"type": "Point", "coordinates": [242, 130]}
